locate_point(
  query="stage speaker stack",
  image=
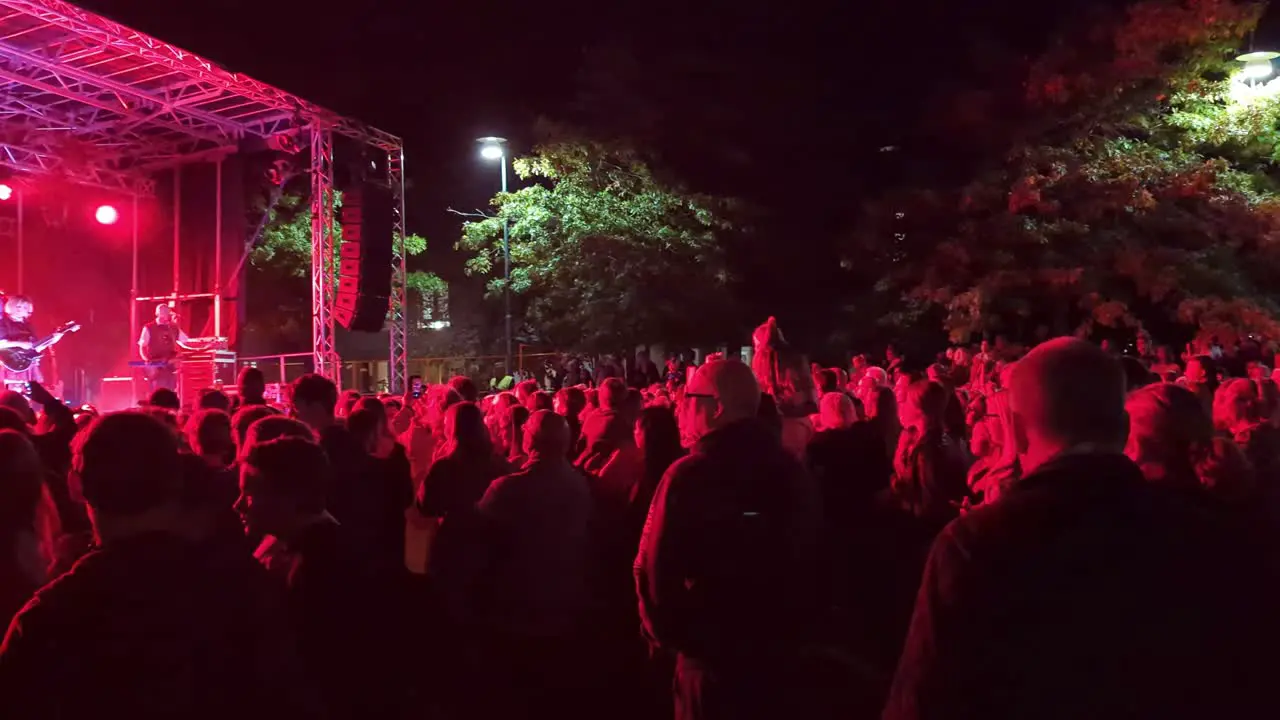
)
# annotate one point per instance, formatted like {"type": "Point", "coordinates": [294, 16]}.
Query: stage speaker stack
{"type": "Point", "coordinates": [364, 260]}
{"type": "Point", "coordinates": [200, 370]}
{"type": "Point", "coordinates": [116, 393]}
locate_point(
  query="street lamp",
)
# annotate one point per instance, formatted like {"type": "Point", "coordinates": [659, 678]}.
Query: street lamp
{"type": "Point", "coordinates": [1257, 65]}
{"type": "Point", "coordinates": [495, 148]}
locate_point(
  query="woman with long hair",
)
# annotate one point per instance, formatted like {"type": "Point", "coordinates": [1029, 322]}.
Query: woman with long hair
{"type": "Point", "coordinates": [880, 406]}
{"type": "Point", "coordinates": [658, 437]}
{"type": "Point", "coordinates": [1242, 410]}
{"type": "Point", "coordinates": [930, 466]}
{"type": "Point", "coordinates": [569, 403]}
{"type": "Point", "coordinates": [424, 426]}
{"type": "Point", "coordinates": [444, 516]}
{"type": "Point", "coordinates": [375, 497]}
{"type": "Point", "coordinates": [466, 466]}
{"type": "Point", "coordinates": [496, 408]}
{"type": "Point", "coordinates": [511, 424]}
{"type": "Point", "coordinates": [370, 426]}
{"type": "Point", "coordinates": [997, 468]}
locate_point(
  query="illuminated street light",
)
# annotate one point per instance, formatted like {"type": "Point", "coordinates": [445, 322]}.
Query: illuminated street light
{"type": "Point", "coordinates": [1257, 65]}
{"type": "Point", "coordinates": [495, 148]}
{"type": "Point", "coordinates": [492, 148]}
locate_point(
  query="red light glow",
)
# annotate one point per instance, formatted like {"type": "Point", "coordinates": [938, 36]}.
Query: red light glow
{"type": "Point", "coordinates": [106, 215]}
{"type": "Point", "coordinates": [6, 192]}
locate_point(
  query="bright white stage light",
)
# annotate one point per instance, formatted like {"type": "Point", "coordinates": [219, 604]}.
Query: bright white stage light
{"type": "Point", "coordinates": [106, 215]}
{"type": "Point", "coordinates": [6, 192]}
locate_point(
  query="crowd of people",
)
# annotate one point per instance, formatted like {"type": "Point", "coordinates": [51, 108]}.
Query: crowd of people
{"type": "Point", "coordinates": [1054, 533]}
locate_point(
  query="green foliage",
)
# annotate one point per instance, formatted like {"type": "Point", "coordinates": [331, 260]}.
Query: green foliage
{"type": "Point", "coordinates": [286, 239]}
{"type": "Point", "coordinates": [286, 243]}
{"type": "Point", "coordinates": [425, 284]}
{"type": "Point", "coordinates": [282, 263]}
{"type": "Point", "coordinates": [1133, 191]}
{"type": "Point", "coordinates": [603, 252]}
{"type": "Point", "coordinates": [414, 245]}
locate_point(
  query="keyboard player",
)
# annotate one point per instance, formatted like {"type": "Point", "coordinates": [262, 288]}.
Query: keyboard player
{"type": "Point", "coordinates": [159, 345]}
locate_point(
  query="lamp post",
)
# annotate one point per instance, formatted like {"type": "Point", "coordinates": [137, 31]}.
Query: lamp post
{"type": "Point", "coordinates": [495, 148]}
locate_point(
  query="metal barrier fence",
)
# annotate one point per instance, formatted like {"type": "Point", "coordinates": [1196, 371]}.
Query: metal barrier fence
{"type": "Point", "coordinates": [371, 375]}
{"type": "Point", "coordinates": [480, 368]}
{"type": "Point", "coordinates": [277, 368]}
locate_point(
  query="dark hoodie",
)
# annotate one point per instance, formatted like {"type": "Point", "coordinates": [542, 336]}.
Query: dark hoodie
{"type": "Point", "coordinates": [155, 627]}
{"type": "Point", "coordinates": [727, 567]}
{"type": "Point", "coordinates": [1088, 592]}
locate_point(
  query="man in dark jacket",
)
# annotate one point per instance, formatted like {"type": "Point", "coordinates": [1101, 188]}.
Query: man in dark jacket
{"type": "Point", "coordinates": [315, 402]}
{"type": "Point", "coordinates": [1086, 592]}
{"type": "Point", "coordinates": [525, 580]}
{"type": "Point", "coordinates": [151, 624]}
{"type": "Point", "coordinates": [644, 373]}
{"type": "Point", "coordinates": [608, 443]}
{"type": "Point", "coordinates": [342, 617]}
{"type": "Point", "coordinates": [726, 572]}
{"type": "Point", "coordinates": [604, 431]}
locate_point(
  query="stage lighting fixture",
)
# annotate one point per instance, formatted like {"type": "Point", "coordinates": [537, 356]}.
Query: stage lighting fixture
{"type": "Point", "coordinates": [6, 191]}
{"type": "Point", "coordinates": [106, 215]}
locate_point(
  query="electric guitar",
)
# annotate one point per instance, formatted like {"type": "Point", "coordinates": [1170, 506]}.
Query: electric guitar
{"type": "Point", "coordinates": [20, 359]}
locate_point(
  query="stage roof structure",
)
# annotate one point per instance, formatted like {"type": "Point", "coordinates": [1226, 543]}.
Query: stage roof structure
{"type": "Point", "coordinates": [88, 100]}
{"type": "Point", "coordinates": [104, 105]}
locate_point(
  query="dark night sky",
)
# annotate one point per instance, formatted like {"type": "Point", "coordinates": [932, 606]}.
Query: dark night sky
{"type": "Point", "coordinates": [782, 103]}
{"type": "Point", "coordinates": [437, 74]}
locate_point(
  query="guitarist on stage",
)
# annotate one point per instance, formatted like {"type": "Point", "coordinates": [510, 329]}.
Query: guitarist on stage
{"type": "Point", "coordinates": [160, 342]}
{"type": "Point", "coordinates": [16, 332]}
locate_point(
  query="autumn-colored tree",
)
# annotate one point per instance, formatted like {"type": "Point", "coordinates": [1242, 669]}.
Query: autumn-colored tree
{"type": "Point", "coordinates": [1125, 184]}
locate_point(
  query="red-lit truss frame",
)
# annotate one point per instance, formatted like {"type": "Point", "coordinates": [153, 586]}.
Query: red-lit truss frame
{"type": "Point", "coordinates": [100, 104]}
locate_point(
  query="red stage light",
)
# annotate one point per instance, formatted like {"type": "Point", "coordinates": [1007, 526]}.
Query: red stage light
{"type": "Point", "coordinates": [106, 215]}
{"type": "Point", "coordinates": [6, 192]}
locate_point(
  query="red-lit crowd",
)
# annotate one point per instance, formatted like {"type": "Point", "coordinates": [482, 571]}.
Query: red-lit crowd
{"type": "Point", "coordinates": [1059, 532]}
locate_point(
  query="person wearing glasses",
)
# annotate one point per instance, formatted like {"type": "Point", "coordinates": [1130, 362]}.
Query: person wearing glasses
{"type": "Point", "coordinates": [726, 572]}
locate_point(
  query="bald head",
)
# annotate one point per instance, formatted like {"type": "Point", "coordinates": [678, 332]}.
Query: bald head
{"type": "Point", "coordinates": [1067, 392]}
{"type": "Point", "coordinates": [732, 384]}
{"type": "Point", "coordinates": [546, 434]}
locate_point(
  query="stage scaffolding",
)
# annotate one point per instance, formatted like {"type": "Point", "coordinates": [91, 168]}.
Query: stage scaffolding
{"type": "Point", "coordinates": [93, 102]}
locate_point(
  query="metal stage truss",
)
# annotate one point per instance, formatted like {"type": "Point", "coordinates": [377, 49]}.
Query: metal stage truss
{"type": "Point", "coordinates": [99, 104]}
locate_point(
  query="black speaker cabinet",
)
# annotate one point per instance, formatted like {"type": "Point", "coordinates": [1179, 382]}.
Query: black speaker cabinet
{"type": "Point", "coordinates": [364, 259]}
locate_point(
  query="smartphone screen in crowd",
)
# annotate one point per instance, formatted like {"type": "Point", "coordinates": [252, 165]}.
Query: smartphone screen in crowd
{"type": "Point", "coordinates": [415, 386]}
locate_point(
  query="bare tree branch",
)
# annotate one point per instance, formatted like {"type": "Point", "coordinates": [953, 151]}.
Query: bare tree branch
{"type": "Point", "coordinates": [476, 214]}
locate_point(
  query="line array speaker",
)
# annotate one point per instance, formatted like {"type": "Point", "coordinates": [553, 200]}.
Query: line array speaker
{"type": "Point", "coordinates": [364, 259]}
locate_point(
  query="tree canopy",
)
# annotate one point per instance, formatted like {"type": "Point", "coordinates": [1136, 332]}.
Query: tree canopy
{"type": "Point", "coordinates": [604, 253]}
{"type": "Point", "coordinates": [1124, 185]}
{"type": "Point", "coordinates": [282, 264]}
